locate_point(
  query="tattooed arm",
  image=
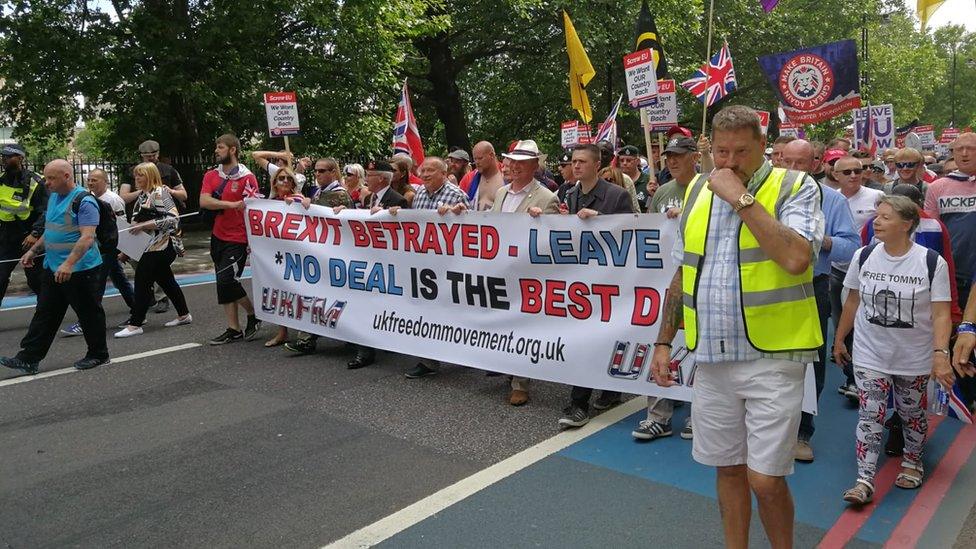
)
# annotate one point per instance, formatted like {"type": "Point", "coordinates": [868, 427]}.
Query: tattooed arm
{"type": "Point", "coordinates": [670, 321]}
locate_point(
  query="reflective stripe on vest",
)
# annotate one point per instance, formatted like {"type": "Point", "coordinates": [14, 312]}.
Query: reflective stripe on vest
{"type": "Point", "coordinates": [61, 233]}
{"type": "Point", "coordinates": [12, 209]}
{"type": "Point", "coordinates": [779, 309]}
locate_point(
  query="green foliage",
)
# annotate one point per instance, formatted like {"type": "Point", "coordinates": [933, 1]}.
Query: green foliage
{"type": "Point", "coordinates": [184, 71]}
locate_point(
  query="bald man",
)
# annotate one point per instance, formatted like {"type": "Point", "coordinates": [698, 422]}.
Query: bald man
{"type": "Point", "coordinates": [71, 273]}
{"type": "Point", "coordinates": [839, 244]}
{"type": "Point", "coordinates": [482, 183]}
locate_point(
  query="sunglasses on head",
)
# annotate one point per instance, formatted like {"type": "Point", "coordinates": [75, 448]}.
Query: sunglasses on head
{"type": "Point", "coordinates": [850, 171]}
{"type": "Point", "coordinates": [905, 165]}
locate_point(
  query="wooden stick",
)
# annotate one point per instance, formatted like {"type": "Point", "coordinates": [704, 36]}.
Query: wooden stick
{"type": "Point", "coordinates": [646, 128]}
{"type": "Point", "coordinates": [708, 64]}
{"type": "Point", "coordinates": [660, 148]}
{"type": "Point", "coordinates": [287, 147]}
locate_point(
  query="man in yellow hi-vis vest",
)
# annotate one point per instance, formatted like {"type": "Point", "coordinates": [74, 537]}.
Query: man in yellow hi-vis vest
{"type": "Point", "coordinates": [23, 201]}
{"type": "Point", "coordinates": [749, 238]}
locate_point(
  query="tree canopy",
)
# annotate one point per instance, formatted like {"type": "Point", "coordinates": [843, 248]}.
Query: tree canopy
{"type": "Point", "coordinates": [184, 71]}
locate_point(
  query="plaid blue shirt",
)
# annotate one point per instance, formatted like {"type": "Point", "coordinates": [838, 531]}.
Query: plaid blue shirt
{"type": "Point", "coordinates": [448, 195]}
{"type": "Point", "coordinates": [721, 327]}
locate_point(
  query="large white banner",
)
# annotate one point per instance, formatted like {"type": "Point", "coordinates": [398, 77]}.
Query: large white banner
{"type": "Point", "coordinates": [554, 297]}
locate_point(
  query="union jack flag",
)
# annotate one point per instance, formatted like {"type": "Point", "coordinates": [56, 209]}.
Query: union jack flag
{"type": "Point", "coordinates": [608, 130]}
{"type": "Point", "coordinates": [720, 79]}
{"type": "Point", "coordinates": [406, 136]}
{"type": "Point", "coordinates": [958, 407]}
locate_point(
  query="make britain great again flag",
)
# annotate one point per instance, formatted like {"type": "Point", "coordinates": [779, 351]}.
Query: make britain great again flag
{"type": "Point", "coordinates": [815, 84]}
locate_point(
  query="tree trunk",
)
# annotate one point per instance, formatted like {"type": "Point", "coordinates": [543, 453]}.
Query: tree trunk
{"type": "Point", "coordinates": [444, 91]}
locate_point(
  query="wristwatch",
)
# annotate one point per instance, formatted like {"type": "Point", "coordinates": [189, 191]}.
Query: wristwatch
{"type": "Point", "coordinates": [744, 201]}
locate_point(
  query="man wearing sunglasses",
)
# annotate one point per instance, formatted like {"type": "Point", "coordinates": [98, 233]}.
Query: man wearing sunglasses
{"type": "Point", "coordinates": [909, 167]}
{"type": "Point", "coordinates": [862, 201]}
{"type": "Point", "coordinates": [23, 201]}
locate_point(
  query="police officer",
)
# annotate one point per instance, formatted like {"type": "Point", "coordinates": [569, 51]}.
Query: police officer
{"type": "Point", "coordinates": [23, 200]}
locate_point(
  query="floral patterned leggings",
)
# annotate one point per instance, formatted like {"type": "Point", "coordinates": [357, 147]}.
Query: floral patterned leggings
{"type": "Point", "coordinates": [873, 388]}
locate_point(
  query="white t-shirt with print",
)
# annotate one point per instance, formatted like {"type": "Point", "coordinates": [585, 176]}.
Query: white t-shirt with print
{"type": "Point", "coordinates": [863, 206]}
{"type": "Point", "coordinates": [893, 330]}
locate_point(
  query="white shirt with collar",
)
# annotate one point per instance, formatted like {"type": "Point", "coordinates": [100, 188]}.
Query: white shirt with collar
{"type": "Point", "coordinates": [514, 199]}
{"type": "Point", "coordinates": [378, 196]}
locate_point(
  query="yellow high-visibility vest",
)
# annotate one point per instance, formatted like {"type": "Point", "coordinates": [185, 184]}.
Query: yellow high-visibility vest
{"type": "Point", "coordinates": [16, 208]}
{"type": "Point", "coordinates": [779, 308]}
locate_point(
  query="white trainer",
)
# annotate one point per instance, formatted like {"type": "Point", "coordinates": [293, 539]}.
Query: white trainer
{"type": "Point", "coordinates": [179, 321]}
{"type": "Point", "coordinates": [126, 332]}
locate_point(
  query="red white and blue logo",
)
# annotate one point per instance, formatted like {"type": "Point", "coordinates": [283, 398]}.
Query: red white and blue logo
{"type": "Point", "coordinates": [806, 81]}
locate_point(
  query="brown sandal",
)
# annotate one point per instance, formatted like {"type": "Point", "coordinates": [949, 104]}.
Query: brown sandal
{"type": "Point", "coordinates": [860, 494]}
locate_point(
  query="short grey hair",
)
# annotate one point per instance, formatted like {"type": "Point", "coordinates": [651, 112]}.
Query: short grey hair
{"type": "Point", "coordinates": [735, 118]}
{"type": "Point", "coordinates": [904, 207]}
{"type": "Point", "coordinates": [387, 177]}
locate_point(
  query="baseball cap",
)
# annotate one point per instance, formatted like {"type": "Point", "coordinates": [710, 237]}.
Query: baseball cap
{"type": "Point", "coordinates": [13, 149]}
{"type": "Point", "coordinates": [678, 130]}
{"type": "Point", "coordinates": [459, 154]}
{"type": "Point", "coordinates": [909, 191]}
{"type": "Point", "coordinates": [148, 147]}
{"type": "Point", "coordinates": [628, 150]}
{"type": "Point", "coordinates": [681, 145]}
{"type": "Point", "coordinates": [832, 155]}
{"type": "Point", "coordinates": [379, 165]}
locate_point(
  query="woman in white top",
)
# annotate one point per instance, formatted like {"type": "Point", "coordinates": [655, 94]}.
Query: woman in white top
{"type": "Point", "coordinates": [155, 213]}
{"type": "Point", "coordinates": [899, 308]}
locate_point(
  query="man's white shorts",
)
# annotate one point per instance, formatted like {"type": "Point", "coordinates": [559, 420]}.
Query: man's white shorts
{"type": "Point", "coordinates": [748, 413]}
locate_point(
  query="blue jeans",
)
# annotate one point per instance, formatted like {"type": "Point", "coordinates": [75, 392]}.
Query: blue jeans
{"type": "Point", "coordinates": [112, 269]}
{"type": "Point", "coordinates": [821, 290]}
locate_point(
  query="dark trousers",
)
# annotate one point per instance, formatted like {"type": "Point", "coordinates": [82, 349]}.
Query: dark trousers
{"type": "Point", "coordinates": [80, 292]}
{"type": "Point", "coordinates": [821, 290]}
{"type": "Point", "coordinates": [154, 268]}
{"type": "Point", "coordinates": [8, 252]}
{"type": "Point", "coordinates": [112, 269]}
{"type": "Point", "coordinates": [836, 306]}
{"type": "Point", "coordinates": [966, 384]}
{"type": "Point", "coordinates": [581, 396]}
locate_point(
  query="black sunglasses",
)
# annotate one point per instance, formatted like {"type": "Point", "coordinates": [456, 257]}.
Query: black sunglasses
{"type": "Point", "coordinates": [285, 178]}
{"type": "Point", "coordinates": [905, 165]}
{"type": "Point", "coordinates": [853, 170]}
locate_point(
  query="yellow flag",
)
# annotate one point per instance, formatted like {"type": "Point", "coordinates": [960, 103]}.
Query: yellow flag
{"type": "Point", "coordinates": [926, 8]}
{"type": "Point", "coordinates": [580, 70]}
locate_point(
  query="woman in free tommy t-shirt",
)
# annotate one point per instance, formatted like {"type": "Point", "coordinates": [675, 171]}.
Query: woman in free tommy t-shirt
{"type": "Point", "coordinates": [899, 307]}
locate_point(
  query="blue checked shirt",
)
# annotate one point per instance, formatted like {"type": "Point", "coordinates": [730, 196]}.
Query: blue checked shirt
{"type": "Point", "coordinates": [721, 328]}
{"type": "Point", "coordinates": [448, 195]}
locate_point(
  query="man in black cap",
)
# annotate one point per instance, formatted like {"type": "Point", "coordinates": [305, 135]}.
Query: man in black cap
{"type": "Point", "coordinates": [149, 152]}
{"type": "Point", "coordinates": [565, 177]}
{"type": "Point", "coordinates": [23, 201]}
{"type": "Point", "coordinates": [628, 159]}
{"type": "Point", "coordinates": [379, 175]}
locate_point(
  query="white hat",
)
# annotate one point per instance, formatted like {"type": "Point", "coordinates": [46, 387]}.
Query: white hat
{"type": "Point", "coordinates": [524, 150]}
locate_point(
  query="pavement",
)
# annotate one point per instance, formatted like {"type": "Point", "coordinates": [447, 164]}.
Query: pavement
{"type": "Point", "coordinates": [196, 240]}
{"type": "Point", "coordinates": [178, 443]}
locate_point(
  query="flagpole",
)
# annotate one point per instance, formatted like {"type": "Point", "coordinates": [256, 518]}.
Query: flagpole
{"type": "Point", "coordinates": [708, 64]}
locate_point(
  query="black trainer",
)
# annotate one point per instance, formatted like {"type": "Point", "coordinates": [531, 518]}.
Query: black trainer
{"type": "Point", "coordinates": [89, 363]}
{"type": "Point", "coordinates": [574, 416]}
{"type": "Point", "coordinates": [29, 368]}
{"type": "Point", "coordinates": [301, 346]}
{"type": "Point", "coordinates": [606, 400]}
{"type": "Point", "coordinates": [228, 336]}
{"type": "Point", "coordinates": [419, 371]}
{"type": "Point", "coordinates": [252, 327]}
{"type": "Point", "coordinates": [161, 306]}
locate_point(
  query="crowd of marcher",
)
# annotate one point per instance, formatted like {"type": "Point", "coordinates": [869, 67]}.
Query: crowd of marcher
{"type": "Point", "coordinates": [773, 247]}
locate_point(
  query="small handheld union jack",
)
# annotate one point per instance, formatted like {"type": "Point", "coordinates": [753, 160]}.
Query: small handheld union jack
{"type": "Point", "coordinates": [720, 79]}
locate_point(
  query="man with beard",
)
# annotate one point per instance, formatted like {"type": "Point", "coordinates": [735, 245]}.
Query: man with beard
{"type": "Point", "coordinates": [224, 190]}
{"type": "Point", "coordinates": [23, 201]}
{"type": "Point", "coordinates": [458, 164]}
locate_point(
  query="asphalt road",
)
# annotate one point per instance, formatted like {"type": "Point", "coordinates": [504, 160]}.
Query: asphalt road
{"type": "Point", "coordinates": [237, 445]}
{"type": "Point", "coordinates": [242, 446]}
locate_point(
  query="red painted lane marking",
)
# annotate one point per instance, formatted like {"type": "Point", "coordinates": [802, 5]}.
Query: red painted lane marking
{"type": "Point", "coordinates": [851, 521]}
{"type": "Point", "coordinates": [923, 508]}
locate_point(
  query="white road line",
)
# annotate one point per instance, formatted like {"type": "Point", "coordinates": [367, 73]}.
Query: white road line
{"type": "Point", "coordinates": [119, 360]}
{"type": "Point", "coordinates": [391, 525]}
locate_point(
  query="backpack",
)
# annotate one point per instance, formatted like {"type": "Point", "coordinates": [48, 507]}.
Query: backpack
{"type": "Point", "coordinates": [209, 217]}
{"type": "Point", "coordinates": [107, 231]}
{"type": "Point", "coordinates": [931, 259]}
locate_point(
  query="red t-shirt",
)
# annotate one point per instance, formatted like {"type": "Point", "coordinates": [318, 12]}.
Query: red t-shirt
{"type": "Point", "coordinates": [229, 224]}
